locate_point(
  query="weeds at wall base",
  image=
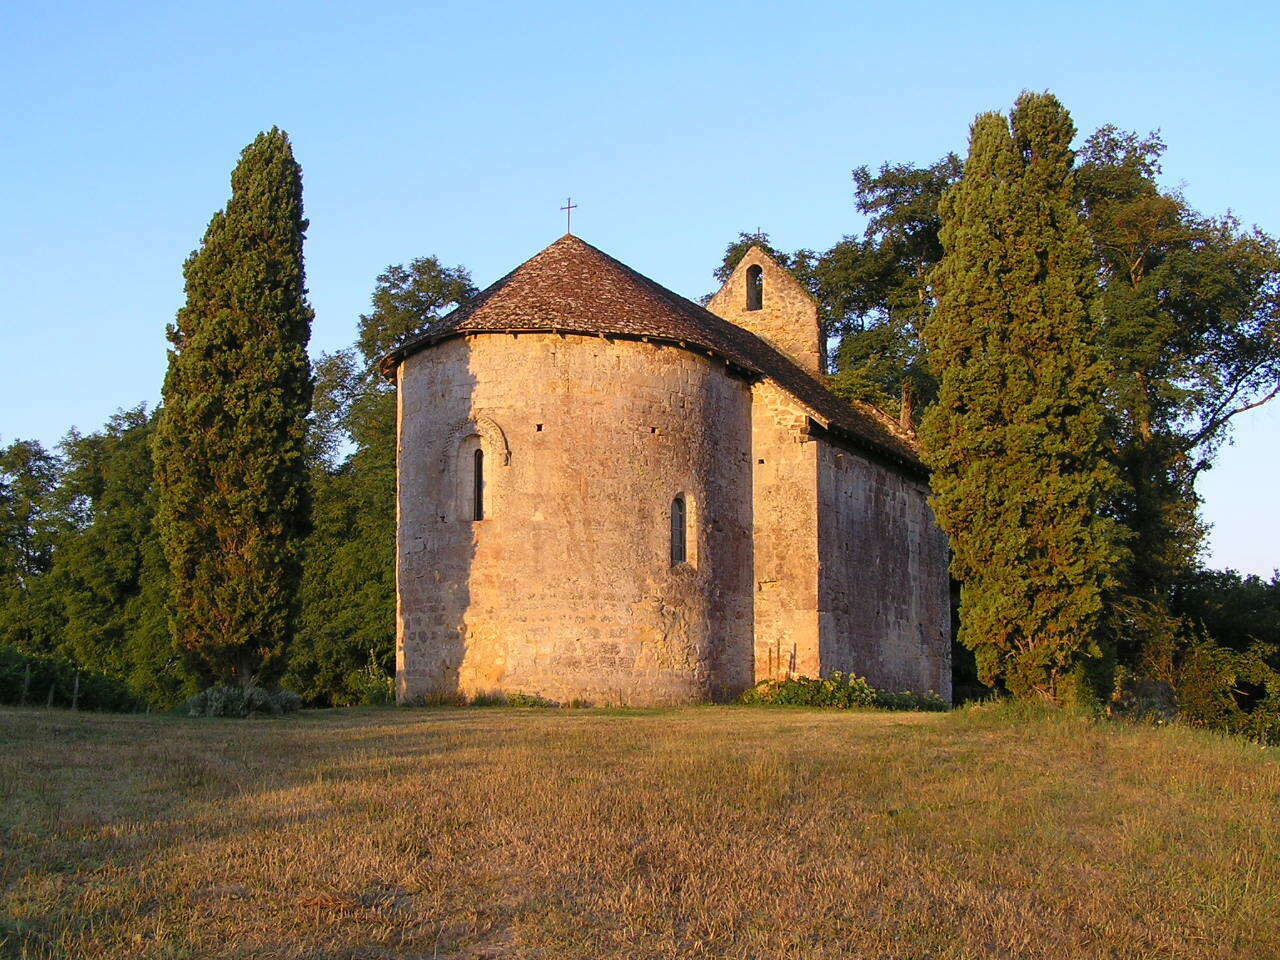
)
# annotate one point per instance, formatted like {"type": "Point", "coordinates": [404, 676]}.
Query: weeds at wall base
{"type": "Point", "coordinates": [840, 691]}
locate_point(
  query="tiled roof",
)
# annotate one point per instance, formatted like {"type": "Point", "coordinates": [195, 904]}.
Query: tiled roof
{"type": "Point", "coordinates": [571, 287]}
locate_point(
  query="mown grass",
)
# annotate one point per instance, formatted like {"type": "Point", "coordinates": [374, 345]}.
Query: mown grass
{"type": "Point", "coordinates": [702, 832]}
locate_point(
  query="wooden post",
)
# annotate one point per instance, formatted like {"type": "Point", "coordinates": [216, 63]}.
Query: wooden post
{"type": "Point", "coordinates": [52, 683]}
{"type": "Point", "coordinates": [75, 692]}
{"type": "Point", "coordinates": [26, 685]}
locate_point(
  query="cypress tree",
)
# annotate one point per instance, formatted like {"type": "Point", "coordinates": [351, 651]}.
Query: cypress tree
{"type": "Point", "coordinates": [234, 502]}
{"type": "Point", "coordinates": [1017, 439]}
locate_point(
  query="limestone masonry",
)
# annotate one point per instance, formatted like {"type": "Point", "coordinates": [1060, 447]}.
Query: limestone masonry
{"type": "Point", "coordinates": [607, 493]}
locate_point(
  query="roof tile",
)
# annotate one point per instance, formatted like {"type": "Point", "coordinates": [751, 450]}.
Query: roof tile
{"type": "Point", "coordinates": [572, 287]}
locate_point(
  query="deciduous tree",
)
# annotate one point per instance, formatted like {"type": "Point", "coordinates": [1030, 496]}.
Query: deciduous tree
{"type": "Point", "coordinates": [1189, 307]}
{"type": "Point", "coordinates": [348, 591]}
{"type": "Point", "coordinates": [109, 574]}
{"type": "Point", "coordinates": [32, 519]}
{"type": "Point", "coordinates": [877, 292]}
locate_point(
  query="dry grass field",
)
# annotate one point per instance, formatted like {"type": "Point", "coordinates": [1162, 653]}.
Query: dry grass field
{"type": "Point", "coordinates": [703, 832]}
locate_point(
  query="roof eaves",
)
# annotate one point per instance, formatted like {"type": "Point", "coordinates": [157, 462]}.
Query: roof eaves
{"type": "Point", "coordinates": [396, 356]}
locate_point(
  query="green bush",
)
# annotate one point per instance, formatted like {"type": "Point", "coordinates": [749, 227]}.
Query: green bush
{"type": "Point", "coordinates": [1143, 698]}
{"type": "Point", "coordinates": [233, 700]}
{"type": "Point", "coordinates": [906, 700]}
{"type": "Point", "coordinates": [370, 686]}
{"type": "Point", "coordinates": [842, 691]}
{"type": "Point", "coordinates": [1230, 690]}
{"type": "Point", "coordinates": [40, 681]}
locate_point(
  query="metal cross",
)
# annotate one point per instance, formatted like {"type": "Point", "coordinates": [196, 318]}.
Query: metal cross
{"type": "Point", "coordinates": [568, 208]}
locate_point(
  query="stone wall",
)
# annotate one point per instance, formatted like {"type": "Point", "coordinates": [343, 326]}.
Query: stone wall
{"type": "Point", "coordinates": [804, 556]}
{"type": "Point", "coordinates": [883, 585]}
{"type": "Point", "coordinates": [566, 588]}
{"type": "Point", "coordinates": [786, 537]}
{"type": "Point", "coordinates": [850, 566]}
{"type": "Point", "coordinates": [787, 318]}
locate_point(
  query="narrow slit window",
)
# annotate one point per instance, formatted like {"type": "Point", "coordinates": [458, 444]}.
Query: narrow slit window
{"type": "Point", "coordinates": [478, 487]}
{"type": "Point", "coordinates": [679, 548]}
{"type": "Point", "coordinates": [755, 287]}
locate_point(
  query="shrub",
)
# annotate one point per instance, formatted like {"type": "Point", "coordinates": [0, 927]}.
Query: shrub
{"type": "Point", "coordinates": [842, 691]}
{"type": "Point", "coordinates": [1230, 690]}
{"type": "Point", "coordinates": [233, 700]}
{"type": "Point", "coordinates": [1141, 697]}
{"type": "Point", "coordinates": [38, 681]}
{"type": "Point", "coordinates": [370, 686]}
{"type": "Point", "coordinates": [906, 700]}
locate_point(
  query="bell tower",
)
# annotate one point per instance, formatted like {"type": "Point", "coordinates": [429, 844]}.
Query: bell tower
{"type": "Point", "coordinates": [763, 297]}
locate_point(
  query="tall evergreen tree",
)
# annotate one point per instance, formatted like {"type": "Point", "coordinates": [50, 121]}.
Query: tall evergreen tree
{"type": "Point", "coordinates": [1017, 439]}
{"type": "Point", "coordinates": [1189, 309]}
{"type": "Point", "coordinates": [230, 445]}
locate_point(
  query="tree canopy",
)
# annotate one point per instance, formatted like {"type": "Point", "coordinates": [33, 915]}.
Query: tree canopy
{"type": "Point", "coordinates": [1073, 340]}
{"type": "Point", "coordinates": [347, 621]}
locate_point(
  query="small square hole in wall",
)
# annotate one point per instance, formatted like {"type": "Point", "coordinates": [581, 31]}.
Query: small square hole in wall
{"type": "Point", "coordinates": [653, 429]}
{"type": "Point", "coordinates": [538, 427]}
{"type": "Point", "coordinates": [761, 460]}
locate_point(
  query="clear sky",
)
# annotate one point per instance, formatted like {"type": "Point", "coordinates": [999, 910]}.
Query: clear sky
{"type": "Point", "coordinates": [457, 129]}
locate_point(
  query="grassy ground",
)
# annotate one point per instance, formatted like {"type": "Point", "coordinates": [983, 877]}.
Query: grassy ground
{"type": "Point", "coordinates": [705, 832]}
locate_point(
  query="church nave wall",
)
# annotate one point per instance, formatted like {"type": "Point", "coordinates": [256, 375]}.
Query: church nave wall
{"type": "Point", "coordinates": [565, 587]}
{"type": "Point", "coordinates": [884, 587]}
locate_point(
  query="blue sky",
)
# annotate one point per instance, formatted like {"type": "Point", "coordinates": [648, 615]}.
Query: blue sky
{"type": "Point", "coordinates": [458, 129]}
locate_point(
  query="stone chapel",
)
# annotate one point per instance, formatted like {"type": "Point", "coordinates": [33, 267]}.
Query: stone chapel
{"type": "Point", "coordinates": [607, 493]}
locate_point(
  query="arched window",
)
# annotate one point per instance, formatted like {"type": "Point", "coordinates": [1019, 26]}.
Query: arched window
{"type": "Point", "coordinates": [679, 546]}
{"type": "Point", "coordinates": [755, 287]}
{"type": "Point", "coordinates": [474, 454]}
